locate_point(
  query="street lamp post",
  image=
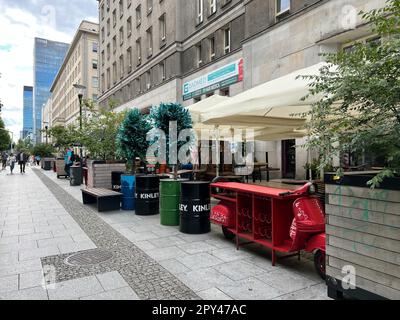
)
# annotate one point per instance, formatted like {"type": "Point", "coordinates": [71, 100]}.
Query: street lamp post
{"type": "Point", "coordinates": [81, 91]}
{"type": "Point", "coordinates": [46, 127]}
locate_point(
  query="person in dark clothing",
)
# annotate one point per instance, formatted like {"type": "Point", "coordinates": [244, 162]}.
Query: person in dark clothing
{"type": "Point", "coordinates": [22, 157]}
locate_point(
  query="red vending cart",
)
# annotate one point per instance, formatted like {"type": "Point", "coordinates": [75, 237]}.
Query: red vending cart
{"type": "Point", "coordinates": [283, 220]}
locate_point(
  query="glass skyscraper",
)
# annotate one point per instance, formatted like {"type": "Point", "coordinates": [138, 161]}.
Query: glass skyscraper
{"type": "Point", "coordinates": [48, 58]}
{"type": "Point", "coordinates": [28, 112]}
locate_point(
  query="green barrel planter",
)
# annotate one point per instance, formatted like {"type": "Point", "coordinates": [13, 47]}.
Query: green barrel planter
{"type": "Point", "coordinates": [170, 195]}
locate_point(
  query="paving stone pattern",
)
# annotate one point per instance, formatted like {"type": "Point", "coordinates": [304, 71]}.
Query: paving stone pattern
{"type": "Point", "coordinates": [144, 275]}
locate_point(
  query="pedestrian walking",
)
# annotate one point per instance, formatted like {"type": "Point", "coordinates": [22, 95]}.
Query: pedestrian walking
{"type": "Point", "coordinates": [37, 158]}
{"type": "Point", "coordinates": [4, 157]}
{"type": "Point", "coordinates": [12, 160]}
{"type": "Point", "coordinates": [22, 157]}
{"type": "Point", "coordinates": [68, 160]}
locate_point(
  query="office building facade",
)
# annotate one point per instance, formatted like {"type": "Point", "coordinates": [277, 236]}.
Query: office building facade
{"type": "Point", "coordinates": [154, 51]}
{"type": "Point", "coordinates": [80, 66]}
{"type": "Point", "coordinates": [48, 57]}
{"type": "Point", "coordinates": [27, 128]}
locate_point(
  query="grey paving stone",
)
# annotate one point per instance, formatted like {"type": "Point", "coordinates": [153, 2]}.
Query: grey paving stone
{"type": "Point", "coordinates": [203, 279]}
{"type": "Point", "coordinates": [285, 281]}
{"type": "Point", "coordinates": [213, 294]}
{"type": "Point", "coordinates": [145, 245]}
{"type": "Point", "coordinates": [199, 260]}
{"type": "Point", "coordinates": [238, 270]}
{"type": "Point", "coordinates": [8, 240]}
{"type": "Point", "coordinates": [174, 266]}
{"type": "Point", "coordinates": [54, 241]}
{"type": "Point", "coordinates": [28, 254]}
{"type": "Point", "coordinates": [196, 247]}
{"type": "Point", "coordinates": [167, 241]}
{"type": "Point", "coordinates": [37, 293]}
{"type": "Point", "coordinates": [36, 236]}
{"type": "Point", "coordinates": [8, 283]}
{"type": "Point", "coordinates": [251, 289]}
{"type": "Point", "coordinates": [230, 254]}
{"type": "Point", "coordinates": [76, 288]}
{"type": "Point", "coordinates": [76, 246]}
{"type": "Point", "coordinates": [160, 254]}
{"type": "Point", "coordinates": [20, 267]}
{"type": "Point", "coordinates": [111, 280]}
{"type": "Point", "coordinates": [31, 279]}
{"type": "Point", "coordinates": [316, 292]}
{"type": "Point", "coordinates": [125, 293]}
{"type": "Point", "coordinates": [4, 248]}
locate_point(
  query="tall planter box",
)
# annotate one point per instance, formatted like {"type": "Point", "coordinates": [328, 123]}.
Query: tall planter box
{"type": "Point", "coordinates": [99, 173]}
{"type": "Point", "coordinates": [363, 231]}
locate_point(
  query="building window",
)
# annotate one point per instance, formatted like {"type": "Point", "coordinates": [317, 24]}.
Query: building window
{"type": "Point", "coordinates": [129, 27]}
{"type": "Point", "coordinates": [149, 42]}
{"type": "Point", "coordinates": [121, 66]}
{"type": "Point", "coordinates": [199, 54]}
{"type": "Point", "coordinates": [212, 48]}
{"type": "Point", "coordinates": [95, 82]}
{"type": "Point", "coordinates": [129, 2]}
{"type": "Point", "coordinates": [103, 34]}
{"type": "Point", "coordinates": [148, 80]}
{"type": "Point", "coordinates": [139, 51]}
{"type": "Point", "coordinates": [94, 97]}
{"type": "Point", "coordinates": [108, 26]}
{"type": "Point", "coordinates": [94, 64]}
{"type": "Point", "coordinates": [121, 36]}
{"type": "Point", "coordinates": [114, 17]}
{"type": "Point", "coordinates": [138, 15]}
{"type": "Point", "coordinates": [213, 6]}
{"type": "Point", "coordinates": [108, 52]}
{"type": "Point", "coordinates": [95, 47]}
{"type": "Point", "coordinates": [108, 78]}
{"type": "Point", "coordinates": [149, 6]}
{"type": "Point", "coordinates": [114, 44]}
{"type": "Point", "coordinates": [102, 12]}
{"type": "Point", "coordinates": [199, 8]}
{"type": "Point", "coordinates": [163, 29]}
{"type": "Point", "coordinates": [102, 58]}
{"type": "Point", "coordinates": [114, 72]}
{"type": "Point", "coordinates": [282, 6]}
{"type": "Point", "coordinates": [227, 40]}
{"type": "Point", "coordinates": [224, 92]}
{"type": "Point", "coordinates": [103, 82]}
{"type": "Point", "coordinates": [121, 8]}
{"type": "Point", "coordinates": [129, 58]}
{"type": "Point", "coordinates": [162, 71]}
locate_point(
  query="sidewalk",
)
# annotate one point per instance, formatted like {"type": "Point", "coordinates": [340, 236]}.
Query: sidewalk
{"type": "Point", "coordinates": [42, 227]}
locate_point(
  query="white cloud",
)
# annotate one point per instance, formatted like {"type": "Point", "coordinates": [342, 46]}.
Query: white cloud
{"type": "Point", "coordinates": [18, 29]}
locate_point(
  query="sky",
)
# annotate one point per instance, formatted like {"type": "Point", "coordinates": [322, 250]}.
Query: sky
{"type": "Point", "coordinates": [20, 22]}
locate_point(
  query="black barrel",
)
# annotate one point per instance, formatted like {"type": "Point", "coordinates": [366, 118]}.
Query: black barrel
{"type": "Point", "coordinates": [147, 195]}
{"type": "Point", "coordinates": [195, 207]}
{"type": "Point", "coordinates": [75, 176]}
{"type": "Point", "coordinates": [116, 180]}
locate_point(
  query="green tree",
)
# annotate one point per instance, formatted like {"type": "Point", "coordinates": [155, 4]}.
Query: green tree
{"type": "Point", "coordinates": [64, 137]}
{"type": "Point", "coordinates": [24, 145]}
{"type": "Point", "coordinates": [43, 150]}
{"type": "Point", "coordinates": [99, 131]}
{"type": "Point", "coordinates": [161, 117]}
{"type": "Point", "coordinates": [5, 139]}
{"type": "Point", "coordinates": [359, 109]}
{"type": "Point", "coordinates": [131, 137]}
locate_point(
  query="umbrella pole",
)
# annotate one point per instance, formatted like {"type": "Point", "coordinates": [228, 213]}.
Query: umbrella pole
{"type": "Point", "coordinates": [217, 150]}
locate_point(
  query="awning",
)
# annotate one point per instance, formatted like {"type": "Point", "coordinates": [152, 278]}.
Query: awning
{"type": "Point", "coordinates": [279, 98]}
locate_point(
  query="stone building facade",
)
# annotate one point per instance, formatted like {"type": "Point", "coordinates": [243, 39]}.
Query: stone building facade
{"type": "Point", "coordinates": [165, 48]}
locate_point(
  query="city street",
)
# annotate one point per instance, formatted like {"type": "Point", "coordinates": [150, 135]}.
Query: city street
{"type": "Point", "coordinates": [124, 256]}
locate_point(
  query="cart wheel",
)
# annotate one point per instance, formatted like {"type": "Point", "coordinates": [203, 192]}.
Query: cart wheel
{"type": "Point", "coordinates": [58, 177]}
{"type": "Point", "coordinates": [228, 234]}
{"type": "Point", "coordinates": [319, 263]}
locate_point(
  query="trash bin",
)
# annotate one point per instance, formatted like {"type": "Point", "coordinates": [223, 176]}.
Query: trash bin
{"type": "Point", "coordinates": [75, 176]}
{"type": "Point", "coordinates": [147, 195]}
{"type": "Point", "coordinates": [195, 207]}
{"type": "Point", "coordinates": [128, 191]}
{"type": "Point", "coordinates": [116, 180]}
{"type": "Point", "coordinates": [47, 164]}
{"type": "Point", "coordinates": [170, 194]}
